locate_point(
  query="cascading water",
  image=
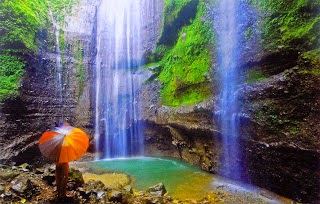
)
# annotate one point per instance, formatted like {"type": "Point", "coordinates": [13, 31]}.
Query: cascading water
{"type": "Point", "coordinates": [59, 72]}
{"type": "Point", "coordinates": [59, 85]}
{"type": "Point", "coordinates": [119, 53]}
{"type": "Point", "coordinates": [226, 24]}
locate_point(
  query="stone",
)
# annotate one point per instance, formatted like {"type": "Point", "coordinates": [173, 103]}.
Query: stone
{"type": "Point", "coordinates": [100, 194]}
{"type": "Point", "coordinates": [128, 188]}
{"type": "Point", "coordinates": [158, 189]}
{"type": "Point", "coordinates": [75, 179]}
{"type": "Point", "coordinates": [39, 171]}
{"type": "Point", "coordinates": [153, 200]}
{"type": "Point", "coordinates": [49, 176]}
{"type": "Point", "coordinates": [93, 185]}
{"type": "Point", "coordinates": [169, 198]}
{"type": "Point", "coordinates": [24, 187]}
{"type": "Point", "coordinates": [8, 175]}
{"type": "Point", "coordinates": [115, 196]}
{"type": "Point", "coordinates": [25, 167]}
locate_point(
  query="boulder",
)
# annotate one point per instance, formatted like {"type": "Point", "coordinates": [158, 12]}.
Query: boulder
{"type": "Point", "coordinates": [24, 187]}
{"type": "Point", "coordinates": [158, 189]}
{"type": "Point", "coordinates": [115, 196]}
{"type": "Point", "coordinates": [75, 179]}
{"type": "Point", "coordinates": [128, 188]}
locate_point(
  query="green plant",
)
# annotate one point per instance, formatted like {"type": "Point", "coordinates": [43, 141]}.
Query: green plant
{"type": "Point", "coordinates": [11, 70]}
{"type": "Point", "coordinates": [254, 76]}
{"type": "Point", "coordinates": [20, 21]}
{"type": "Point", "coordinates": [172, 8]}
{"type": "Point", "coordinates": [185, 66]}
{"type": "Point", "coordinates": [248, 33]}
{"type": "Point", "coordinates": [290, 23]}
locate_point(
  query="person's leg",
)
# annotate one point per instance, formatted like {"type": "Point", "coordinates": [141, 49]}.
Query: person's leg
{"type": "Point", "coordinates": [62, 171]}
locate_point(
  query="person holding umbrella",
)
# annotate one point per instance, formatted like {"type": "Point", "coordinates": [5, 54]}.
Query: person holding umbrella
{"type": "Point", "coordinates": [62, 145]}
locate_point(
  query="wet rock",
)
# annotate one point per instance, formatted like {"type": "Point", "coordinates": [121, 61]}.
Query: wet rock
{"type": "Point", "coordinates": [8, 175]}
{"type": "Point", "coordinates": [24, 187]}
{"type": "Point", "coordinates": [158, 189]}
{"type": "Point", "coordinates": [49, 175]}
{"type": "Point", "coordinates": [153, 200]}
{"type": "Point", "coordinates": [100, 194]}
{"type": "Point", "coordinates": [115, 196]}
{"type": "Point", "coordinates": [75, 179]}
{"type": "Point", "coordinates": [169, 198]}
{"type": "Point", "coordinates": [128, 188]}
{"type": "Point", "coordinates": [39, 171]}
{"type": "Point", "coordinates": [95, 185]}
{"type": "Point", "coordinates": [25, 167]}
{"type": "Point", "coordinates": [93, 190]}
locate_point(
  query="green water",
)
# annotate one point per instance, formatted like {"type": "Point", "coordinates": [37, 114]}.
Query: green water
{"type": "Point", "coordinates": [180, 179]}
{"type": "Point", "coordinates": [184, 181]}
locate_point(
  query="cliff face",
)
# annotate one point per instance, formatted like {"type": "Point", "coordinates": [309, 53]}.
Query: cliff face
{"type": "Point", "coordinates": [43, 101]}
{"type": "Point", "coordinates": [273, 155]}
{"type": "Point", "coordinates": [279, 93]}
{"type": "Point", "coordinates": [278, 98]}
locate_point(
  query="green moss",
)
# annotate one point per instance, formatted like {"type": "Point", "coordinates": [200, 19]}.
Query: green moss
{"type": "Point", "coordinates": [293, 130]}
{"type": "Point", "coordinates": [20, 21]}
{"type": "Point", "coordinates": [61, 40]}
{"type": "Point", "coordinates": [290, 23]}
{"type": "Point", "coordinates": [187, 95]}
{"type": "Point", "coordinates": [248, 33]}
{"type": "Point", "coordinates": [60, 8]}
{"type": "Point", "coordinates": [157, 54]}
{"type": "Point", "coordinates": [254, 76]}
{"type": "Point", "coordinates": [11, 70]}
{"type": "Point", "coordinates": [185, 66]}
{"type": "Point", "coordinates": [172, 9]}
{"type": "Point", "coordinates": [177, 14]}
{"type": "Point", "coordinates": [313, 57]}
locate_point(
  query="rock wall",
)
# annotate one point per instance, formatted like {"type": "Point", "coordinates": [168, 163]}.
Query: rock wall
{"type": "Point", "coordinates": [273, 154]}
{"type": "Point", "coordinates": [279, 124]}
{"type": "Point", "coordinates": [279, 129]}
{"type": "Point", "coordinates": [38, 106]}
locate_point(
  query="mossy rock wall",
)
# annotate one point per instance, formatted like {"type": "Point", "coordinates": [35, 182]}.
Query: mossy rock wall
{"type": "Point", "coordinates": [278, 97]}
{"type": "Point", "coordinates": [183, 53]}
{"type": "Point", "coordinates": [39, 102]}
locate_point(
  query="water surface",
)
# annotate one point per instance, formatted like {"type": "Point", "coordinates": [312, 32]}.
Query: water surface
{"type": "Point", "coordinates": [184, 181]}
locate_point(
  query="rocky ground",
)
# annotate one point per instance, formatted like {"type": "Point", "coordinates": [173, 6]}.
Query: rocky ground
{"type": "Point", "coordinates": [27, 184]}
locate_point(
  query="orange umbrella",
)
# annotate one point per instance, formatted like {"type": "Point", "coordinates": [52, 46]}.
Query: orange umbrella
{"type": "Point", "coordinates": [64, 144]}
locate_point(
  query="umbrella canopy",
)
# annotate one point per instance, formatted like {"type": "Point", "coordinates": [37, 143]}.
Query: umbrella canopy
{"type": "Point", "coordinates": [64, 144]}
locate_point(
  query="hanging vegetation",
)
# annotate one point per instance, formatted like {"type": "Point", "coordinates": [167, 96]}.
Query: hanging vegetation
{"type": "Point", "coordinates": [20, 22]}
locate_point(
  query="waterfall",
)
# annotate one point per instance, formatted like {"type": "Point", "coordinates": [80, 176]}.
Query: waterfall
{"type": "Point", "coordinates": [59, 72]}
{"type": "Point", "coordinates": [59, 86]}
{"type": "Point", "coordinates": [119, 53]}
{"type": "Point", "coordinates": [226, 24]}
